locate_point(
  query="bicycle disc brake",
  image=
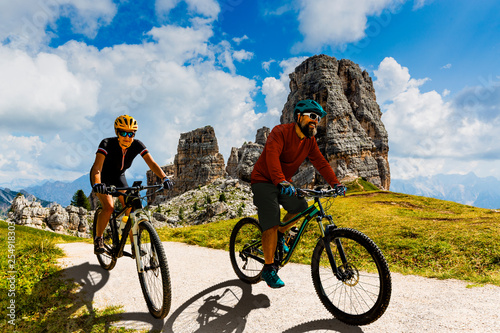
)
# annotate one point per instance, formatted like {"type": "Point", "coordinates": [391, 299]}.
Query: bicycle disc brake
{"type": "Point", "coordinates": [349, 275]}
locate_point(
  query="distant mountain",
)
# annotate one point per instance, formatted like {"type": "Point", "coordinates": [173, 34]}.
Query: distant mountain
{"type": "Point", "coordinates": [61, 192]}
{"type": "Point", "coordinates": [466, 189]}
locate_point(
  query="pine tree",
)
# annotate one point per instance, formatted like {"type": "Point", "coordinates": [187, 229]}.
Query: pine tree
{"type": "Point", "coordinates": [80, 200]}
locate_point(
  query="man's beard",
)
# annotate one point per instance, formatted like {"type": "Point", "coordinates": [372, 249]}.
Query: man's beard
{"type": "Point", "coordinates": [308, 131]}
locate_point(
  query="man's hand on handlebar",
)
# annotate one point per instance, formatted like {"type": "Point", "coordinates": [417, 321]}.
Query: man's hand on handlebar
{"type": "Point", "coordinates": [287, 188]}
{"type": "Point", "coordinates": [168, 184]}
{"type": "Point", "coordinates": [340, 189]}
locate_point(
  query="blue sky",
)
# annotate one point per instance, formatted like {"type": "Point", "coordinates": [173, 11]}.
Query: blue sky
{"type": "Point", "coordinates": [69, 67]}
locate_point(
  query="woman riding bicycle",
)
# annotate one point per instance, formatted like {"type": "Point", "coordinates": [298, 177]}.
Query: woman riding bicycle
{"type": "Point", "coordinates": [286, 148]}
{"type": "Point", "coordinates": [113, 157]}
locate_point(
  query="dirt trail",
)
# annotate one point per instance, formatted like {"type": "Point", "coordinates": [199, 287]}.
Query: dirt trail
{"type": "Point", "coordinates": [207, 297]}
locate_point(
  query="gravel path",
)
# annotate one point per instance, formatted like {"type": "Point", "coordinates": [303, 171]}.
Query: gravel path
{"type": "Point", "coordinates": [208, 297]}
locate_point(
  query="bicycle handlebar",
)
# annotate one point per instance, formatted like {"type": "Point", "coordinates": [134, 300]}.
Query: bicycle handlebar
{"type": "Point", "coordinates": [115, 191]}
{"type": "Point", "coordinates": [334, 192]}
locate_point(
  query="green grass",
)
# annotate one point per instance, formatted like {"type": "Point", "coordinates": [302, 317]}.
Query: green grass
{"type": "Point", "coordinates": [418, 235]}
{"type": "Point", "coordinates": [44, 301]}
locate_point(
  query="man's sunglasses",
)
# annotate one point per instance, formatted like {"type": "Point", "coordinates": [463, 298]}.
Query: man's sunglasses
{"type": "Point", "coordinates": [312, 115]}
{"type": "Point", "coordinates": [124, 134]}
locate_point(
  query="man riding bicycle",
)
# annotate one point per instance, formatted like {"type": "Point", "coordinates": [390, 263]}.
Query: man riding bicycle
{"type": "Point", "coordinates": [286, 148]}
{"type": "Point", "coordinates": [113, 157]}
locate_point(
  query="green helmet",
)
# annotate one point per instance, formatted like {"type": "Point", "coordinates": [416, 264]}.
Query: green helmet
{"type": "Point", "coordinates": [308, 105]}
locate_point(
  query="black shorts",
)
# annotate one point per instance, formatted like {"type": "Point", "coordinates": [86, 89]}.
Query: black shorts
{"type": "Point", "coordinates": [118, 181]}
{"type": "Point", "coordinates": [267, 199]}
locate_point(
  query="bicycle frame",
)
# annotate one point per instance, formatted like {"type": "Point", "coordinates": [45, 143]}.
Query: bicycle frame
{"type": "Point", "coordinates": [315, 210]}
{"type": "Point", "coordinates": [132, 224]}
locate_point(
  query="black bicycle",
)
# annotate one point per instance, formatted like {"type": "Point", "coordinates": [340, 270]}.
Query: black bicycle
{"type": "Point", "coordinates": [349, 272]}
{"type": "Point", "coordinates": [151, 262]}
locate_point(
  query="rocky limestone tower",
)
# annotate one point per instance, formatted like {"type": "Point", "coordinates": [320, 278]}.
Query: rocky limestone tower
{"type": "Point", "coordinates": [352, 136]}
{"type": "Point", "coordinates": [197, 163]}
{"type": "Point", "coordinates": [241, 161]}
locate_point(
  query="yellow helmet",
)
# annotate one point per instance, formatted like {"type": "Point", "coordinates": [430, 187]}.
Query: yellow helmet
{"type": "Point", "coordinates": [125, 123]}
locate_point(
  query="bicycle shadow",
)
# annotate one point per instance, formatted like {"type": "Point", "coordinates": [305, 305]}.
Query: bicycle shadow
{"type": "Point", "coordinates": [324, 325]}
{"type": "Point", "coordinates": [221, 308]}
{"type": "Point", "coordinates": [91, 278]}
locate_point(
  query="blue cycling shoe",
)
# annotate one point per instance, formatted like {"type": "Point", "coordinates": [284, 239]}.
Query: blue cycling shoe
{"type": "Point", "coordinates": [272, 279]}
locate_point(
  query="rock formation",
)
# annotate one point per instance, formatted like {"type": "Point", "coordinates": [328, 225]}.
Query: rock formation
{"type": "Point", "coordinates": [70, 220]}
{"type": "Point", "coordinates": [197, 163]}
{"type": "Point", "coordinates": [222, 199]}
{"type": "Point", "coordinates": [241, 161]}
{"type": "Point", "coordinates": [352, 136]}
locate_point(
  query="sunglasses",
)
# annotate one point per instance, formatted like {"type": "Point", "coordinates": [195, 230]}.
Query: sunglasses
{"type": "Point", "coordinates": [124, 134]}
{"type": "Point", "coordinates": [312, 115]}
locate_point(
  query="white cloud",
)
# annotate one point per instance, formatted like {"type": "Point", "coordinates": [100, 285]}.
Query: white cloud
{"type": "Point", "coordinates": [87, 17]}
{"type": "Point", "coordinates": [276, 90]}
{"type": "Point", "coordinates": [24, 22]}
{"type": "Point", "coordinates": [326, 22]}
{"type": "Point", "coordinates": [28, 159]}
{"type": "Point", "coordinates": [242, 55]}
{"type": "Point", "coordinates": [181, 44]}
{"type": "Point", "coordinates": [238, 40]}
{"type": "Point", "coordinates": [267, 64]}
{"type": "Point", "coordinates": [428, 135]}
{"type": "Point", "coordinates": [393, 79]}
{"type": "Point", "coordinates": [417, 4]}
{"type": "Point", "coordinates": [447, 66]}
{"type": "Point", "coordinates": [39, 93]}
{"type": "Point", "coordinates": [207, 8]}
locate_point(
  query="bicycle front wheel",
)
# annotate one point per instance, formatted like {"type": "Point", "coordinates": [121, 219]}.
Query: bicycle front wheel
{"type": "Point", "coordinates": [245, 250]}
{"type": "Point", "coordinates": [107, 260]}
{"type": "Point", "coordinates": [155, 279]}
{"type": "Point", "coordinates": [360, 293]}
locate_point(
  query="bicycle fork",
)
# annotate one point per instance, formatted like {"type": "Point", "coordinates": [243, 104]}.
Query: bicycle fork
{"type": "Point", "coordinates": [343, 274]}
{"type": "Point", "coordinates": [135, 237]}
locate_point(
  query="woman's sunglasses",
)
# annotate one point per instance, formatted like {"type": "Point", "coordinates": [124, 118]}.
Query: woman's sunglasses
{"type": "Point", "coordinates": [312, 115]}
{"type": "Point", "coordinates": [124, 134]}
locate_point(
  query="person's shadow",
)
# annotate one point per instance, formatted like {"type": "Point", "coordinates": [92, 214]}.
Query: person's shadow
{"type": "Point", "coordinates": [89, 280]}
{"type": "Point", "coordinates": [220, 308]}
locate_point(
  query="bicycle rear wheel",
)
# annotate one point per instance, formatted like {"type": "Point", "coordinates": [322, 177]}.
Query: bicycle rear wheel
{"type": "Point", "coordinates": [361, 294]}
{"type": "Point", "coordinates": [245, 250]}
{"type": "Point", "coordinates": [155, 280]}
{"type": "Point", "coordinates": [107, 260]}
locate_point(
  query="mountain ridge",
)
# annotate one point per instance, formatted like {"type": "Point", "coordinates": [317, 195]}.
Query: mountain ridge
{"type": "Point", "coordinates": [468, 189]}
{"type": "Point", "coordinates": [59, 191]}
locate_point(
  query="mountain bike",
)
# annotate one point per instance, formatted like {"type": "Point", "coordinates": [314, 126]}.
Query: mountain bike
{"type": "Point", "coordinates": [147, 248]}
{"type": "Point", "coordinates": [349, 272]}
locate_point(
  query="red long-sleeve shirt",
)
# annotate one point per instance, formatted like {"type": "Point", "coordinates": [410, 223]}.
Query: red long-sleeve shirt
{"type": "Point", "coordinates": [284, 152]}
